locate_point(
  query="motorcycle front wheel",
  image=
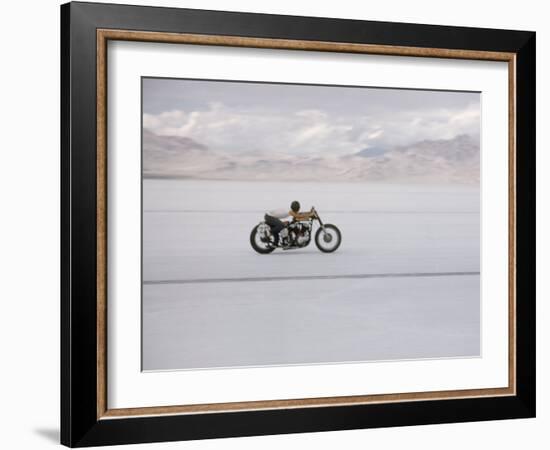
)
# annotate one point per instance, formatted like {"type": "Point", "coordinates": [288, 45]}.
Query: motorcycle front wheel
{"type": "Point", "coordinates": [258, 243]}
{"type": "Point", "coordinates": [328, 238]}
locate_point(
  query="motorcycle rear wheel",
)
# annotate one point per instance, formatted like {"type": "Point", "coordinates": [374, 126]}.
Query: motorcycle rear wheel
{"type": "Point", "coordinates": [329, 239]}
{"type": "Point", "coordinates": [256, 243]}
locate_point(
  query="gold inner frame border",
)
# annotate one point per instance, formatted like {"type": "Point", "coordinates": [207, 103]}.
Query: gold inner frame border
{"type": "Point", "coordinates": [105, 35]}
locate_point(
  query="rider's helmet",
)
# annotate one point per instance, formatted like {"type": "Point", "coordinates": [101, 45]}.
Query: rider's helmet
{"type": "Point", "coordinates": [295, 206]}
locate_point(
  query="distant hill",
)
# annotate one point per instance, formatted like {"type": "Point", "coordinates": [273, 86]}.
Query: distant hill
{"type": "Point", "coordinates": [175, 156]}
{"type": "Point", "coordinates": [454, 160]}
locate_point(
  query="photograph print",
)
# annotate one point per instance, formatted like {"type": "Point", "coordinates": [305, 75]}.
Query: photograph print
{"type": "Point", "coordinates": [297, 224]}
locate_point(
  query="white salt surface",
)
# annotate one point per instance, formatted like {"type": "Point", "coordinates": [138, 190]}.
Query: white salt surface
{"type": "Point", "coordinates": [196, 240]}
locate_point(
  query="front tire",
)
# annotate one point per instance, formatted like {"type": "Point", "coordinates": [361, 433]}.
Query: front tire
{"type": "Point", "coordinates": [260, 246]}
{"type": "Point", "coordinates": [329, 239]}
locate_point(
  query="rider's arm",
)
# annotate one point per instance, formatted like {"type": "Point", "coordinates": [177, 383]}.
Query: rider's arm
{"type": "Point", "coordinates": [301, 215]}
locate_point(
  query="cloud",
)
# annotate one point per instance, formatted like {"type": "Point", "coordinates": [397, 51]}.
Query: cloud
{"type": "Point", "coordinates": [312, 131]}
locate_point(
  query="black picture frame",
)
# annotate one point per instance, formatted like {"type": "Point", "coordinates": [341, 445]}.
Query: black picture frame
{"type": "Point", "coordinates": [80, 425]}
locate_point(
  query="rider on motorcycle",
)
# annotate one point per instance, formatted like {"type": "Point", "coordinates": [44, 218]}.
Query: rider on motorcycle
{"type": "Point", "coordinates": [273, 218]}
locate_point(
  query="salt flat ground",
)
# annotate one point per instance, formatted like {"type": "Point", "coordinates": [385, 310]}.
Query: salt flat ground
{"type": "Point", "coordinates": [404, 284]}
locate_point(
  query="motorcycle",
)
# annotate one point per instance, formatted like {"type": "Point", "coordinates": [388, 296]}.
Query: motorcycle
{"type": "Point", "coordinates": [297, 234]}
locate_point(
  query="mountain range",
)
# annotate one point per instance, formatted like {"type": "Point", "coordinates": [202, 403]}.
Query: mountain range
{"type": "Point", "coordinates": [455, 160]}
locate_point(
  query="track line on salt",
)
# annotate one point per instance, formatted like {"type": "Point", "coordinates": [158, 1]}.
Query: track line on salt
{"type": "Point", "coordinates": [314, 277]}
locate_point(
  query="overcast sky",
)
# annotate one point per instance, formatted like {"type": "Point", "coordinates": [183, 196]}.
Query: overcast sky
{"type": "Point", "coordinates": [304, 119]}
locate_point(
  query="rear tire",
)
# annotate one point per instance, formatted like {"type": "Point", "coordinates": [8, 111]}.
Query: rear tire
{"type": "Point", "coordinates": [328, 247]}
{"type": "Point", "coordinates": [254, 244]}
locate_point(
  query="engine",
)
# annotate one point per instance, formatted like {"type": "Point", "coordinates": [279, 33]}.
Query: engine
{"type": "Point", "coordinates": [300, 233]}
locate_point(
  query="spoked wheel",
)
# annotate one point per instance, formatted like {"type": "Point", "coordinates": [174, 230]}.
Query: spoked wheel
{"type": "Point", "coordinates": [328, 238]}
{"type": "Point", "coordinates": [259, 242]}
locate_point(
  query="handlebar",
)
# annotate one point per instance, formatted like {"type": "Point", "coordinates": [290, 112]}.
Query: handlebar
{"type": "Point", "coordinates": [313, 210]}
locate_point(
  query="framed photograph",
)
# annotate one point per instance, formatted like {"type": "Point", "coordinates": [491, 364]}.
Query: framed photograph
{"type": "Point", "coordinates": [276, 224]}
